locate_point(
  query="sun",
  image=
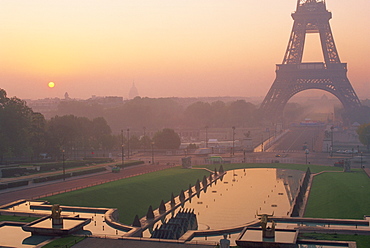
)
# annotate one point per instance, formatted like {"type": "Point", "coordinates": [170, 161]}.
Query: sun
{"type": "Point", "coordinates": [51, 84]}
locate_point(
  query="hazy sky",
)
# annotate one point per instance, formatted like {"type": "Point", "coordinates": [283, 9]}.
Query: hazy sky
{"type": "Point", "coordinates": [167, 47]}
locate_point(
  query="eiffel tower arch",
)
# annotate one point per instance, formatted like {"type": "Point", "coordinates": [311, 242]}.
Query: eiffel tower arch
{"type": "Point", "coordinates": [293, 76]}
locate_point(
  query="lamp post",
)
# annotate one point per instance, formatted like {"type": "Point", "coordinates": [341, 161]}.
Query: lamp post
{"type": "Point", "coordinates": [144, 128]}
{"type": "Point", "coordinates": [306, 152]}
{"type": "Point", "coordinates": [64, 170]}
{"type": "Point", "coordinates": [123, 155]}
{"type": "Point", "coordinates": [128, 143]}
{"type": "Point", "coordinates": [206, 136]}
{"type": "Point", "coordinates": [262, 143]}
{"type": "Point", "coordinates": [332, 141]}
{"type": "Point", "coordinates": [153, 153]}
{"type": "Point", "coordinates": [122, 151]}
{"type": "Point", "coordinates": [233, 140]}
{"type": "Point", "coordinates": [243, 155]}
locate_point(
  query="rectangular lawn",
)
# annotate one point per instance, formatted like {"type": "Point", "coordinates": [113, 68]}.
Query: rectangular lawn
{"type": "Point", "coordinates": [339, 195]}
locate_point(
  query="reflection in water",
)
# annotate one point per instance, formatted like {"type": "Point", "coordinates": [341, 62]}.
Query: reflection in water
{"type": "Point", "coordinates": [67, 224]}
{"type": "Point", "coordinates": [280, 236]}
{"type": "Point", "coordinates": [244, 193]}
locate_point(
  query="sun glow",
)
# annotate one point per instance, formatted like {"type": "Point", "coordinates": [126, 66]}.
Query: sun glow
{"type": "Point", "coordinates": [51, 84]}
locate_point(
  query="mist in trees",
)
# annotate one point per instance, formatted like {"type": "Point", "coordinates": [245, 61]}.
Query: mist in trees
{"type": "Point", "coordinates": [158, 113]}
{"type": "Point", "coordinates": [26, 134]}
{"type": "Point", "coordinates": [363, 132]}
{"type": "Point", "coordinates": [85, 126]}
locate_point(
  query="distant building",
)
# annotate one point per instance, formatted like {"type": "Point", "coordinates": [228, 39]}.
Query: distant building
{"type": "Point", "coordinates": [133, 92]}
{"type": "Point", "coordinates": [46, 106]}
{"type": "Point", "coordinates": [106, 101]}
{"type": "Point", "coordinates": [66, 96]}
{"type": "Point", "coordinates": [49, 106]}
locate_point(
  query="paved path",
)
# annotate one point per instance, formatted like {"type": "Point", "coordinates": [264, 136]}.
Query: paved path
{"type": "Point", "coordinates": [367, 171]}
{"type": "Point", "coordinates": [34, 191]}
{"type": "Point", "coordinates": [115, 243]}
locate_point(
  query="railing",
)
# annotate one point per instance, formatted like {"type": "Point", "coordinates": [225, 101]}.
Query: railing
{"type": "Point", "coordinates": [311, 66]}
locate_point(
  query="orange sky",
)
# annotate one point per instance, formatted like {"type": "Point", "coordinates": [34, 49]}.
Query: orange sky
{"type": "Point", "coordinates": [168, 47]}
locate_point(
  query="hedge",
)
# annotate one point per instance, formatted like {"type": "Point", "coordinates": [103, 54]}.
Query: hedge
{"type": "Point", "coordinates": [84, 172]}
{"type": "Point", "coordinates": [17, 184]}
{"type": "Point", "coordinates": [130, 163]}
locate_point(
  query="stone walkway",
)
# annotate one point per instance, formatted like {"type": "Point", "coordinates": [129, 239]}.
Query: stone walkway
{"type": "Point", "coordinates": [367, 171]}
{"type": "Point", "coordinates": [115, 243]}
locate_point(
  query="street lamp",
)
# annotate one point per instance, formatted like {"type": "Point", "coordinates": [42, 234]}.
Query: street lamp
{"type": "Point", "coordinates": [122, 146]}
{"type": "Point", "coordinates": [306, 152]}
{"type": "Point", "coordinates": [153, 153]}
{"type": "Point", "coordinates": [206, 136]}
{"type": "Point", "coordinates": [262, 143]}
{"type": "Point", "coordinates": [128, 143]}
{"type": "Point", "coordinates": [144, 128]}
{"type": "Point", "coordinates": [233, 139]}
{"type": "Point", "coordinates": [332, 141]}
{"type": "Point", "coordinates": [64, 170]}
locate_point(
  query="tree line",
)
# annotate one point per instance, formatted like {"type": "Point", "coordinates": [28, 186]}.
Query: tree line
{"type": "Point", "coordinates": [25, 134]}
{"type": "Point", "coordinates": [158, 113]}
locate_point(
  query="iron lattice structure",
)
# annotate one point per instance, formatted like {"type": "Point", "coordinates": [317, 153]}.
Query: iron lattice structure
{"type": "Point", "coordinates": [293, 76]}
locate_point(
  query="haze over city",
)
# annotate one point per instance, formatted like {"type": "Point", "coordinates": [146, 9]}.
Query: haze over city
{"type": "Point", "coordinates": [168, 48]}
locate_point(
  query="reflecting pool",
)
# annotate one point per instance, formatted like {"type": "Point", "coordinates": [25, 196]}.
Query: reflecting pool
{"type": "Point", "coordinates": [242, 194]}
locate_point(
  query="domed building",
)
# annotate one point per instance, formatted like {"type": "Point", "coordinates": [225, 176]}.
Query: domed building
{"type": "Point", "coordinates": [133, 92]}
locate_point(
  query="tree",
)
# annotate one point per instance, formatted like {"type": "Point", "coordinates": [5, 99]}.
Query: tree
{"type": "Point", "coordinates": [360, 115]}
{"type": "Point", "coordinates": [64, 133]}
{"type": "Point", "coordinates": [198, 114]}
{"type": "Point", "coordinates": [100, 133]}
{"type": "Point", "coordinates": [167, 139]}
{"type": "Point", "coordinates": [240, 113]}
{"type": "Point", "coordinates": [134, 142]}
{"type": "Point", "coordinates": [70, 132]}
{"type": "Point", "coordinates": [15, 122]}
{"type": "Point", "coordinates": [363, 132]}
{"type": "Point", "coordinates": [145, 142]}
{"type": "Point", "coordinates": [37, 134]}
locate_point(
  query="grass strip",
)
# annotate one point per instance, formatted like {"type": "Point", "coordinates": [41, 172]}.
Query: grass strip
{"type": "Point", "coordinates": [339, 195]}
{"type": "Point", "coordinates": [362, 241]}
{"type": "Point", "coordinates": [64, 242]}
{"type": "Point", "coordinates": [25, 219]}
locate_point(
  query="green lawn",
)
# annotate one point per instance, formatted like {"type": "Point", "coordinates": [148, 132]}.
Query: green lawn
{"type": "Point", "coordinates": [132, 195]}
{"type": "Point", "coordinates": [362, 241]}
{"type": "Point", "coordinates": [339, 195]}
{"type": "Point", "coordinates": [64, 242]}
{"type": "Point", "coordinates": [17, 218]}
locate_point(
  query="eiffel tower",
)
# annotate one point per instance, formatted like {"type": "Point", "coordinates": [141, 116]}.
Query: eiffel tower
{"type": "Point", "coordinates": [293, 76]}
